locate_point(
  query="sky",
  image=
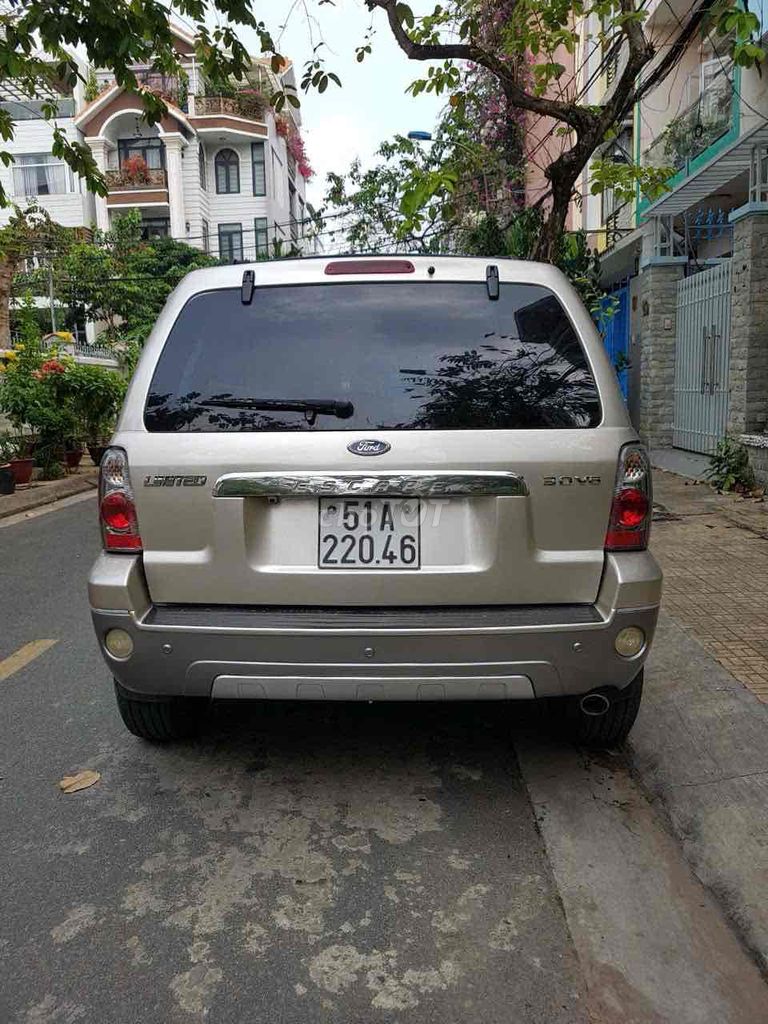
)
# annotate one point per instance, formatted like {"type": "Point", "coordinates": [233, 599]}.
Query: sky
{"type": "Point", "coordinates": [371, 106]}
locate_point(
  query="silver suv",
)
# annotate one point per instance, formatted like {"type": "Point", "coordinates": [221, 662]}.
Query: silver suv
{"type": "Point", "coordinates": [367, 479]}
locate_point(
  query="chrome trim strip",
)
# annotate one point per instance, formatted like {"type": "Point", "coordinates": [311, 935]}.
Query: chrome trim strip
{"type": "Point", "coordinates": [410, 482]}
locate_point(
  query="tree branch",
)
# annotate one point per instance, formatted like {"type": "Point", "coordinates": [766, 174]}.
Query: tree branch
{"type": "Point", "coordinates": [577, 117]}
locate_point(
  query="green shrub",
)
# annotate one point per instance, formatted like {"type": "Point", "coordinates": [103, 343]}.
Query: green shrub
{"type": "Point", "coordinates": [729, 468]}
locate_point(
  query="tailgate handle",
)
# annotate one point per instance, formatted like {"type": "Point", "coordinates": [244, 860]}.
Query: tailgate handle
{"type": "Point", "coordinates": [492, 282]}
{"type": "Point", "coordinates": [246, 288]}
{"type": "Point", "coordinates": [414, 484]}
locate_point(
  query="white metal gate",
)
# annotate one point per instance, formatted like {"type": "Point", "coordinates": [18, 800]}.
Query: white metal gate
{"type": "Point", "coordinates": [701, 359]}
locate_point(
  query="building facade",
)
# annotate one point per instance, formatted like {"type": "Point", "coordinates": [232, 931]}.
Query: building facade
{"type": "Point", "coordinates": [220, 171]}
{"type": "Point", "coordinates": [687, 270]}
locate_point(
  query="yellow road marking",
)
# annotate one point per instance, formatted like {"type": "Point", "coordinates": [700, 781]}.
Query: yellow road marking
{"type": "Point", "coordinates": [23, 657]}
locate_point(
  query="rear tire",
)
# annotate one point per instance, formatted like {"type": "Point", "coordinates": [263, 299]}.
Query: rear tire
{"type": "Point", "coordinates": [608, 730]}
{"type": "Point", "coordinates": [161, 721]}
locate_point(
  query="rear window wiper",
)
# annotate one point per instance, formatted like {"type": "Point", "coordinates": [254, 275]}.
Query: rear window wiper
{"type": "Point", "coordinates": [311, 407]}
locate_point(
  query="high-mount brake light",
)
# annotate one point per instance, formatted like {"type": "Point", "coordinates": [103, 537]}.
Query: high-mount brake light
{"type": "Point", "coordinates": [342, 267]}
{"type": "Point", "coordinates": [117, 509]}
{"type": "Point", "coordinates": [630, 523]}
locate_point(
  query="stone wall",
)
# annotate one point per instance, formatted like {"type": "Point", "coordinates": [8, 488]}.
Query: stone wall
{"type": "Point", "coordinates": [657, 342]}
{"type": "Point", "coordinates": [748, 378]}
{"type": "Point", "coordinates": [757, 446]}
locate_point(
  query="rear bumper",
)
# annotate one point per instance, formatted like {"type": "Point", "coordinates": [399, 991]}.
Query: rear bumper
{"type": "Point", "coordinates": [492, 653]}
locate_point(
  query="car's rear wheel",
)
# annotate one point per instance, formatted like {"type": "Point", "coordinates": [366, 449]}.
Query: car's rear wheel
{"type": "Point", "coordinates": [609, 729]}
{"type": "Point", "coordinates": [160, 721]}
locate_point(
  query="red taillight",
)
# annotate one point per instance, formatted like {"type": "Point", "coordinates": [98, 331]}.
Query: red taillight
{"type": "Point", "coordinates": [117, 511]}
{"type": "Point", "coordinates": [630, 521]}
{"type": "Point", "coordinates": [339, 267]}
{"type": "Point", "coordinates": [119, 526]}
{"type": "Point", "coordinates": [631, 507]}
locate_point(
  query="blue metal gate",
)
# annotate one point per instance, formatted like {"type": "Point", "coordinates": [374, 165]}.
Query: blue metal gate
{"type": "Point", "coordinates": [702, 359]}
{"type": "Point", "coordinates": [614, 327]}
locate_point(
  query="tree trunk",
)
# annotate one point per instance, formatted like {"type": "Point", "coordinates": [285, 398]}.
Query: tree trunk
{"type": "Point", "coordinates": [548, 242]}
{"type": "Point", "coordinates": [7, 271]}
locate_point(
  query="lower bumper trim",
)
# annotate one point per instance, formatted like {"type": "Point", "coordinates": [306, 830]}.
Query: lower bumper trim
{"type": "Point", "coordinates": [431, 688]}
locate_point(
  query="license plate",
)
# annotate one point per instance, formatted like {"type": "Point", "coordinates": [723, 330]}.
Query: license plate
{"type": "Point", "coordinates": [369, 533]}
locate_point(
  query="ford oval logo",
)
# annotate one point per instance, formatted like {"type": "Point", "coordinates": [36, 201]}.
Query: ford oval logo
{"type": "Point", "coordinates": [368, 446]}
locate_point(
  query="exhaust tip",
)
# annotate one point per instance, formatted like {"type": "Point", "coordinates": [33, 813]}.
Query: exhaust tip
{"type": "Point", "coordinates": [594, 704]}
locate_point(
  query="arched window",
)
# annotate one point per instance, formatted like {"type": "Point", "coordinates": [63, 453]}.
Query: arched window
{"type": "Point", "coordinates": [227, 171]}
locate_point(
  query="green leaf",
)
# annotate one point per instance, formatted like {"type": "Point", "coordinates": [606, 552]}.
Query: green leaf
{"type": "Point", "coordinates": [405, 14]}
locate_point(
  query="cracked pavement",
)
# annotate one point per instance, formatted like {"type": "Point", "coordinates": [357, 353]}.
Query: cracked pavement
{"type": "Point", "coordinates": [324, 862]}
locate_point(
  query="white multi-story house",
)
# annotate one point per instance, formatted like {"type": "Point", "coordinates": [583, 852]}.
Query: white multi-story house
{"type": "Point", "coordinates": [36, 175]}
{"type": "Point", "coordinates": [220, 171]}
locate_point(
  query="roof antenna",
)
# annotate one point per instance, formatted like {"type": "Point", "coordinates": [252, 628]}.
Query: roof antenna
{"type": "Point", "coordinates": [246, 289]}
{"type": "Point", "coordinates": [492, 282]}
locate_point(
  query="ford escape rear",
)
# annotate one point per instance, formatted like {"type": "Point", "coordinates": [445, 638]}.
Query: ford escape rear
{"type": "Point", "coordinates": [375, 479]}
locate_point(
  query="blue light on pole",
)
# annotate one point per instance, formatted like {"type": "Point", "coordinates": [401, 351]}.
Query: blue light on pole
{"type": "Point", "coordinates": [420, 136]}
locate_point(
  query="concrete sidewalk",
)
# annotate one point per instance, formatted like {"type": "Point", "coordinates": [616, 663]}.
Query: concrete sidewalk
{"type": "Point", "coordinates": [43, 492]}
{"type": "Point", "coordinates": [700, 749]}
{"type": "Point", "coordinates": [700, 745]}
{"type": "Point", "coordinates": [713, 549]}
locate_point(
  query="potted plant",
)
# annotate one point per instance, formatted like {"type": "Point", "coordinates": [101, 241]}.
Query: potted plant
{"type": "Point", "coordinates": [95, 393]}
{"type": "Point", "coordinates": [14, 451]}
{"type": "Point", "coordinates": [7, 482]}
{"type": "Point", "coordinates": [135, 170]}
{"type": "Point", "coordinates": [34, 394]}
{"type": "Point", "coordinates": [73, 453]}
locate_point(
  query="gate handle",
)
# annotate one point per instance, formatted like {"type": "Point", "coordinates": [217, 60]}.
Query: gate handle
{"type": "Point", "coordinates": [713, 359]}
{"type": "Point", "coordinates": [704, 362]}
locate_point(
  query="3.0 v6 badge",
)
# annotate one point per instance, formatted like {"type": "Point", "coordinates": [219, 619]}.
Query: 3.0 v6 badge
{"type": "Point", "coordinates": [569, 481]}
{"type": "Point", "coordinates": [175, 481]}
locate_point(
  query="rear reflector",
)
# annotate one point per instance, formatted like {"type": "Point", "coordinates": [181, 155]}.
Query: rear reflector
{"type": "Point", "coordinates": [340, 267]}
{"type": "Point", "coordinates": [117, 510]}
{"type": "Point", "coordinates": [631, 510]}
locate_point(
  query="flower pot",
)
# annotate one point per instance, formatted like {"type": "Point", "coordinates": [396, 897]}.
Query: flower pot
{"type": "Point", "coordinates": [72, 458]}
{"type": "Point", "coordinates": [96, 451]}
{"type": "Point", "coordinates": [7, 483]}
{"type": "Point", "coordinates": [22, 470]}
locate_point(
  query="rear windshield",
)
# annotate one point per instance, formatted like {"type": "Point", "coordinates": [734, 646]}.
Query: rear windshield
{"type": "Point", "coordinates": [373, 356]}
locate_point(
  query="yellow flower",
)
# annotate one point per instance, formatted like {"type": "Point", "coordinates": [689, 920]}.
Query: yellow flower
{"type": "Point", "coordinates": [2, 368]}
{"type": "Point", "coordinates": [11, 356]}
{"type": "Point", "coordinates": [19, 346]}
{"type": "Point", "coordinates": [66, 336]}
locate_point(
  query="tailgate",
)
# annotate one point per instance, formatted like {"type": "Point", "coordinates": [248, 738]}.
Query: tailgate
{"type": "Point", "coordinates": [315, 387]}
{"type": "Point", "coordinates": [545, 546]}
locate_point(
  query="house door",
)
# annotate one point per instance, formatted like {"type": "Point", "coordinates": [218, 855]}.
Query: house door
{"type": "Point", "coordinates": [701, 359]}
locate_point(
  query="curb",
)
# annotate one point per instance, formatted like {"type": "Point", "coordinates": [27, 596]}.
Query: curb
{"type": "Point", "coordinates": [47, 494]}
{"type": "Point", "coordinates": [700, 750]}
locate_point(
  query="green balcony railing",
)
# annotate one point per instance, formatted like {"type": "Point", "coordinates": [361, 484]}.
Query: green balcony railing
{"type": "Point", "coordinates": [693, 131]}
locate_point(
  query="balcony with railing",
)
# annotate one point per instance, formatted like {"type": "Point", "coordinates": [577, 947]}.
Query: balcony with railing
{"type": "Point", "coordinates": [693, 131]}
{"type": "Point", "coordinates": [131, 186]}
{"type": "Point", "coordinates": [618, 223]}
{"type": "Point", "coordinates": [245, 103]}
{"type": "Point", "coordinates": [149, 178]}
{"type": "Point", "coordinates": [171, 88]}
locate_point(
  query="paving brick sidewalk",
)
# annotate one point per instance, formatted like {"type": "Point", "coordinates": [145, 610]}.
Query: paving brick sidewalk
{"type": "Point", "coordinates": [714, 553]}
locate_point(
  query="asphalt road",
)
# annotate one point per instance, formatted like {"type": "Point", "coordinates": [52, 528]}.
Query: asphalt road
{"type": "Point", "coordinates": [300, 864]}
{"type": "Point", "coordinates": [322, 863]}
